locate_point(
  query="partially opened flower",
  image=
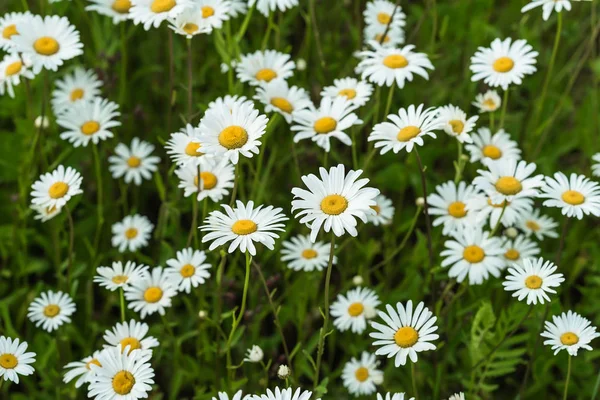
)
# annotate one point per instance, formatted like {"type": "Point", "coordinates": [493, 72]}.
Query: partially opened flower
{"type": "Point", "coordinates": [489, 101]}
{"type": "Point", "coordinates": [533, 279]}
{"type": "Point", "coordinates": [254, 354]}
{"type": "Point", "coordinates": [45, 213]}
{"type": "Point", "coordinates": [132, 335]}
{"type": "Point", "coordinates": [229, 101]}
{"type": "Point", "coordinates": [151, 13]}
{"type": "Point", "coordinates": [81, 86]}
{"type": "Point", "coordinates": [519, 249]}
{"type": "Point", "coordinates": [51, 310]}
{"type": "Point", "coordinates": [86, 122]}
{"type": "Point", "coordinates": [118, 10]}
{"type": "Point", "coordinates": [202, 17]}
{"type": "Point", "coordinates": [8, 28]}
{"type": "Point", "coordinates": [118, 276]}
{"type": "Point", "coordinates": [300, 254]}
{"type": "Point", "coordinates": [14, 360]}
{"type": "Point", "coordinates": [354, 309]}
{"type": "Point", "coordinates": [277, 96]}
{"type": "Point", "coordinates": [265, 7]}
{"type": "Point", "coordinates": [188, 269]}
{"type": "Point", "coordinates": [264, 66]}
{"type": "Point", "coordinates": [134, 163]}
{"type": "Point", "coordinates": [151, 293]}
{"type": "Point", "coordinates": [457, 396]}
{"type": "Point", "coordinates": [13, 70]}
{"type": "Point", "coordinates": [184, 146]}
{"type": "Point", "coordinates": [576, 195]}
{"type": "Point", "coordinates": [455, 123]}
{"type": "Point", "coordinates": [569, 331]}
{"type": "Point", "coordinates": [547, 6]}
{"type": "Point", "coordinates": [211, 178]}
{"type": "Point", "coordinates": [497, 147]}
{"type": "Point", "coordinates": [361, 375]}
{"type": "Point", "coordinates": [596, 164]}
{"type": "Point", "coordinates": [509, 180]}
{"type": "Point", "coordinates": [357, 92]}
{"type": "Point", "coordinates": [449, 205]}
{"type": "Point", "coordinates": [132, 233]}
{"type": "Point", "coordinates": [81, 370]}
{"type": "Point", "coordinates": [55, 189]}
{"type": "Point", "coordinates": [384, 211]}
{"type": "Point", "coordinates": [538, 225]}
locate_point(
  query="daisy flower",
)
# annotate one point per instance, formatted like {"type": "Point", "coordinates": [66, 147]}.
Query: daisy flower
{"type": "Point", "coordinates": [455, 122]}
{"type": "Point", "coordinates": [569, 331]}
{"type": "Point", "coordinates": [184, 146]}
{"type": "Point", "coordinates": [205, 16]}
{"type": "Point", "coordinates": [81, 370]}
{"type": "Point", "coordinates": [330, 120]}
{"type": "Point", "coordinates": [238, 7]}
{"type": "Point", "coordinates": [118, 10]}
{"type": "Point", "coordinates": [507, 213]}
{"type": "Point", "coordinates": [547, 6]}
{"type": "Point", "coordinates": [406, 129]}
{"type": "Point", "coordinates": [394, 396]}
{"type": "Point", "coordinates": [45, 213]}
{"type": "Point", "coordinates": [229, 101]}
{"type": "Point", "coordinates": [300, 254]}
{"type": "Point", "coordinates": [449, 203]}
{"type": "Point", "coordinates": [575, 195]}
{"type": "Point", "coordinates": [278, 97]}
{"type": "Point", "coordinates": [230, 132]}
{"type": "Point", "coordinates": [254, 354]}
{"type": "Point", "coordinates": [356, 92]}
{"type": "Point", "coordinates": [188, 269]}
{"type": "Point", "coordinates": [386, 65]}
{"type": "Point", "coordinates": [130, 334]}
{"type": "Point", "coordinates": [8, 28]}
{"type": "Point", "coordinates": [151, 293]}
{"type": "Point", "coordinates": [89, 121]}
{"type": "Point", "coordinates": [284, 394]}
{"type": "Point", "coordinates": [504, 63]}
{"type": "Point", "coordinates": [216, 178]}
{"type": "Point", "coordinates": [14, 361]}
{"type": "Point", "coordinates": [489, 101]}
{"type": "Point", "coordinates": [518, 250]}
{"type": "Point", "coordinates": [384, 211]}
{"type": "Point", "coordinates": [334, 201]}
{"type": "Point", "coordinates": [265, 7]}
{"type": "Point", "coordinates": [50, 310]}
{"type": "Point", "coordinates": [457, 396]}
{"type": "Point", "coordinates": [533, 278]}
{"type": "Point", "coordinates": [55, 189]}
{"type": "Point", "coordinates": [242, 226]}
{"type": "Point", "coordinates": [538, 225]}
{"type": "Point", "coordinates": [237, 396]}
{"type": "Point", "coordinates": [351, 311]}
{"type": "Point", "coordinates": [596, 165]}
{"type": "Point", "coordinates": [405, 332]}
{"type": "Point", "coordinates": [360, 376]}
{"type": "Point", "coordinates": [509, 180]}
{"type": "Point", "coordinates": [12, 70]}
{"type": "Point", "coordinates": [264, 66]}
{"type": "Point", "coordinates": [82, 86]}
{"type": "Point", "coordinates": [132, 233]}
{"type": "Point", "coordinates": [47, 41]}
{"type": "Point", "coordinates": [497, 147]}
{"type": "Point", "coordinates": [121, 375]}
{"type": "Point", "coordinates": [380, 13]}
{"type": "Point", "coordinates": [474, 253]}
{"type": "Point", "coordinates": [117, 276]}
{"type": "Point", "coordinates": [134, 163]}
{"type": "Point", "coordinates": [394, 36]}
{"type": "Point", "coordinates": [151, 13]}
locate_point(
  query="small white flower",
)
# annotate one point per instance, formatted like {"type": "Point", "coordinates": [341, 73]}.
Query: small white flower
{"type": "Point", "coordinates": [188, 269]}
{"type": "Point", "coordinates": [132, 335]}
{"type": "Point", "coordinates": [394, 36]}
{"type": "Point", "coordinates": [520, 249]}
{"type": "Point", "coordinates": [202, 17]}
{"type": "Point", "coordinates": [449, 205]}
{"type": "Point", "coordinates": [184, 146]}
{"type": "Point", "coordinates": [384, 13]}
{"type": "Point", "coordinates": [351, 311]}
{"type": "Point", "coordinates": [54, 189]}
{"type": "Point", "coordinates": [360, 375]}
{"type": "Point", "coordinates": [45, 213]}
{"type": "Point", "coordinates": [151, 293]}
{"type": "Point", "coordinates": [301, 64]}
{"type": "Point", "coordinates": [210, 178]}
{"type": "Point", "coordinates": [509, 180]}
{"type": "Point", "coordinates": [384, 211]}
{"type": "Point", "coordinates": [132, 233]}
{"type": "Point", "coordinates": [12, 70]}
{"type": "Point", "coordinates": [50, 310]}
{"type": "Point", "coordinates": [489, 101]}
{"type": "Point", "coordinates": [81, 86]}
{"type": "Point", "coordinates": [134, 163]}
{"type": "Point", "coordinates": [394, 396]}
{"type": "Point", "coordinates": [264, 66]}
{"type": "Point", "coordinates": [498, 147]}
{"type": "Point", "coordinates": [118, 10]}
{"type": "Point", "coordinates": [576, 195]}
{"type": "Point", "coordinates": [8, 28]}
{"type": "Point", "coordinates": [237, 396]}
{"type": "Point", "coordinates": [538, 225]}
{"type": "Point", "coordinates": [81, 370]}
{"type": "Point", "coordinates": [596, 164]}
{"type": "Point", "coordinates": [41, 122]}
{"type": "Point", "coordinates": [457, 396]}
{"type": "Point", "coordinates": [89, 121]}
{"type": "Point", "coordinates": [254, 354]}
{"type": "Point", "coordinates": [456, 124]}
{"type": "Point", "coordinates": [265, 7]}
{"type": "Point", "coordinates": [300, 254]}
{"type": "Point", "coordinates": [507, 213]}
{"type": "Point", "coordinates": [547, 6]}
{"type": "Point", "coordinates": [357, 280]}
{"type": "Point", "coordinates": [533, 278]}
{"type": "Point", "coordinates": [569, 331]}
{"type": "Point", "coordinates": [283, 372]}
{"type": "Point", "coordinates": [357, 92]}
{"type": "Point", "coordinates": [152, 13]}
{"type": "Point", "coordinates": [278, 97]}
{"type": "Point", "coordinates": [14, 360]}
{"type": "Point", "coordinates": [117, 276]}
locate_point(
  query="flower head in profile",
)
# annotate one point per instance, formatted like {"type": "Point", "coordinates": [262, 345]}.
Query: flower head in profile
{"type": "Point", "coordinates": [575, 195]}
{"type": "Point", "coordinates": [266, 7]}
{"type": "Point", "coordinates": [134, 163]}
{"type": "Point", "coordinates": [300, 254]}
{"type": "Point", "coordinates": [132, 335]}
{"type": "Point", "coordinates": [384, 211]}
{"type": "Point", "coordinates": [569, 331]}
{"type": "Point", "coordinates": [151, 293]}
{"type": "Point", "coordinates": [596, 164]}
{"type": "Point", "coordinates": [455, 122]}
{"type": "Point", "coordinates": [86, 122]}
{"type": "Point", "coordinates": [488, 148]}
{"type": "Point", "coordinates": [519, 249]}
{"type": "Point", "coordinates": [151, 13]}
{"type": "Point", "coordinates": [188, 269]}
{"type": "Point", "coordinates": [533, 279]}
{"type": "Point", "coordinates": [360, 376]}
{"type": "Point", "coordinates": [81, 370]}
{"type": "Point", "coordinates": [14, 360]}
{"type": "Point", "coordinates": [45, 213]}
{"type": "Point", "coordinates": [132, 233]}
{"type": "Point", "coordinates": [118, 276]}
{"type": "Point", "coordinates": [354, 309]}
{"type": "Point", "coordinates": [118, 10]}
{"type": "Point", "coordinates": [533, 223]}
{"type": "Point", "coordinates": [54, 189]}
{"type": "Point", "coordinates": [457, 396]}
{"type": "Point", "coordinates": [264, 66]}
{"type": "Point", "coordinates": [51, 310]}
{"type": "Point", "coordinates": [547, 6]}
{"type": "Point", "coordinates": [357, 92]}
{"type": "Point", "coordinates": [489, 101]}
{"type": "Point", "coordinates": [277, 96]}
{"type": "Point", "coordinates": [80, 86]}
{"type": "Point", "coordinates": [13, 69]}
{"type": "Point", "coordinates": [254, 354]}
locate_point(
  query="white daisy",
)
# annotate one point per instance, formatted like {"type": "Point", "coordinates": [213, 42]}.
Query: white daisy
{"type": "Point", "coordinates": [134, 163]}
{"type": "Point", "coordinates": [188, 269]}
{"type": "Point", "coordinates": [519, 249]}
{"type": "Point", "coordinates": [569, 331]}
{"type": "Point", "coordinates": [300, 254]}
{"type": "Point", "coordinates": [405, 333]}
{"type": "Point", "coordinates": [89, 121]}
{"type": "Point", "coordinates": [457, 396]}
{"type": "Point", "coordinates": [455, 122]}
{"type": "Point", "coordinates": [132, 233]}
{"type": "Point", "coordinates": [498, 147]}
{"type": "Point", "coordinates": [229, 101]}
{"type": "Point", "coordinates": [264, 66]}
{"type": "Point", "coordinates": [538, 225]}
{"type": "Point", "coordinates": [82, 86]}
{"type": "Point", "coordinates": [238, 7]}
{"type": "Point", "coordinates": [596, 165]}
{"type": "Point", "coordinates": [278, 97]}
{"type": "Point", "coordinates": [55, 189]}
{"type": "Point", "coordinates": [121, 375]}
{"type": "Point", "coordinates": [532, 279]}
{"type": "Point", "coordinates": [151, 293]}
{"type": "Point", "coordinates": [216, 178]}
{"type": "Point", "coordinates": [394, 396]}
{"type": "Point", "coordinates": [242, 226]}
{"type": "Point", "coordinates": [489, 101]}
{"type": "Point", "coordinates": [330, 120]}
{"type": "Point", "coordinates": [254, 354]}
{"type": "Point", "coordinates": [406, 129]}
{"type": "Point", "coordinates": [355, 91]}
{"type": "Point", "coordinates": [284, 394]}
{"type": "Point", "coordinates": [384, 211]}
{"type": "Point", "coordinates": [81, 370]}
{"type": "Point", "coordinates": [547, 6]}
{"type": "Point", "coordinates": [237, 396]}
{"type": "Point", "coordinates": [45, 213]}
{"type": "Point", "coordinates": [14, 361]}
{"type": "Point", "coordinates": [203, 17]}
{"type": "Point", "coordinates": [360, 376]}
{"type": "Point", "coordinates": [449, 203]}
{"type": "Point", "coordinates": [386, 65]}
{"type": "Point", "coordinates": [508, 180]}
{"type": "Point", "coordinates": [130, 334]}
{"type": "Point", "coordinates": [184, 146]}
{"type": "Point", "coordinates": [380, 13]}
{"type": "Point", "coordinates": [8, 28]}
{"type": "Point", "coordinates": [117, 276]}
{"type": "Point", "coordinates": [47, 41]}
{"type": "Point", "coordinates": [118, 10]}
{"type": "Point", "coordinates": [351, 311]}
{"type": "Point", "coordinates": [504, 63]}
{"type": "Point", "coordinates": [575, 195]}
{"type": "Point", "coordinates": [265, 7]}
{"type": "Point", "coordinates": [394, 36]}
{"type": "Point", "coordinates": [474, 253]}
{"type": "Point", "coordinates": [50, 310]}
{"type": "Point", "coordinates": [507, 213]}
{"type": "Point", "coordinates": [154, 12]}
{"type": "Point", "coordinates": [12, 70]}
{"type": "Point", "coordinates": [334, 201]}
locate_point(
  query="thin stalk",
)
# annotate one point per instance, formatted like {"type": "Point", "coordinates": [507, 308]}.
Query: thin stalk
{"type": "Point", "coordinates": [70, 252]}
{"type": "Point", "coordinates": [122, 303]}
{"type": "Point", "coordinates": [459, 163]}
{"type": "Point", "coordinates": [313, 19]}
{"type": "Point", "coordinates": [171, 81]}
{"type": "Point", "coordinates": [218, 309]}
{"type": "Point", "coordinates": [388, 104]}
{"type": "Point", "coordinates": [497, 226]}
{"type": "Point", "coordinates": [566, 392]}
{"type": "Point", "coordinates": [426, 210]}
{"type": "Point", "coordinates": [414, 380]}
{"type": "Point", "coordinates": [194, 224]}
{"type": "Point", "coordinates": [492, 114]}
{"type": "Point", "coordinates": [190, 80]}
{"type": "Point", "coordinates": [123, 72]}
{"type": "Point", "coordinates": [236, 178]}
{"type": "Point", "coordinates": [267, 35]}
{"type": "Point", "coordinates": [540, 107]}
{"type": "Point", "coordinates": [99, 197]}
{"type": "Point", "coordinates": [504, 104]}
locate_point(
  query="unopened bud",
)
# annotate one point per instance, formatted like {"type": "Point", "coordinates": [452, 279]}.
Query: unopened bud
{"type": "Point", "coordinates": [420, 202]}
{"type": "Point", "coordinates": [357, 280]}
{"type": "Point", "coordinates": [283, 372]}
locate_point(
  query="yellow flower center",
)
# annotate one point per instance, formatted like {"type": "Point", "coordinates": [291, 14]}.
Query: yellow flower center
{"type": "Point", "coordinates": [384, 18]}
{"type": "Point", "coordinates": [349, 93]}
{"type": "Point", "coordinates": [153, 294]}
{"type": "Point", "coordinates": [161, 6]}
{"type": "Point", "coordinates": [334, 204]}
{"type": "Point", "coordinates": [187, 270]}
{"type": "Point", "coordinates": [9, 31]}
{"type": "Point", "coordinates": [46, 46]}
{"type": "Point", "coordinates": [8, 361]}
{"type": "Point", "coordinates": [192, 149]}
{"type": "Point", "coordinates": [573, 197]}
{"type": "Point", "coordinates": [207, 11]}
{"type": "Point", "coordinates": [379, 36]}
{"type": "Point", "coordinates": [406, 336]}
{"type": "Point", "coordinates": [457, 126]}
{"type": "Point", "coordinates": [134, 161]}
{"type": "Point", "coordinates": [233, 137]}
{"type": "Point", "coordinates": [51, 310]}
{"type": "Point", "coordinates": [395, 61]}
{"type": "Point", "coordinates": [325, 125]}
{"type": "Point", "coordinates": [120, 279]}
{"type": "Point", "coordinates": [123, 382]}
{"type": "Point", "coordinates": [376, 208]}
{"type": "Point", "coordinates": [58, 190]}
{"type": "Point", "coordinates": [121, 6]}
{"type": "Point", "coordinates": [132, 342]}
{"type": "Point", "coordinates": [209, 180]}
{"type": "Point", "coordinates": [534, 226]}
{"type": "Point", "coordinates": [77, 94]}
{"type": "Point", "coordinates": [14, 68]}
{"type": "Point", "coordinates": [569, 338]}
{"type": "Point", "coordinates": [503, 64]}
{"type": "Point", "coordinates": [266, 74]}
{"type": "Point", "coordinates": [512, 254]}
{"type": "Point", "coordinates": [508, 185]}
{"type": "Point", "coordinates": [490, 104]}
{"type": "Point", "coordinates": [244, 227]}
{"type": "Point", "coordinates": [190, 28]}
{"type": "Point", "coordinates": [457, 209]}
{"type": "Point", "coordinates": [309, 253]}
{"type": "Point", "coordinates": [356, 309]}
{"type": "Point", "coordinates": [408, 132]}
{"type": "Point", "coordinates": [492, 152]}
{"type": "Point", "coordinates": [533, 282]}
{"type": "Point", "coordinates": [90, 127]}
{"type": "Point", "coordinates": [282, 104]}
{"type": "Point", "coordinates": [473, 254]}
{"type": "Point", "coordinates": [92, 361]}
{"type": "Point", "coordinates": [361, 374]}
{"type": "Point", "coordinates": [131, 233]}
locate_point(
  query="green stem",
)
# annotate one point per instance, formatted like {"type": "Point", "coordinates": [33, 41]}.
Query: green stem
{"type": "Point", "coordinates": [236, 178]}
{"type": "Point", "coordinates": [190, 79]}
{"type": "Point", "coordinates": [244, 26]}
{"type": "Point", "coordinates": [99, 197]}
{"type": "Point", "coordinates": [193, 233]}
{"type": "Point", "coordinates": [492, 114]}
{"type": "Point", "coordinates": [70, 252]}
{"type": "Point", "coordinates": [267, 35]}
{"type": "Point", "coordinates": [123, 77]}
{"type": "Point", "coordinates": [122, 303]}
{"type": "Point", "coordinates": [540, 107]}
{"type": "Point", "coordinates": [389, 101]}
{"type": "Point", "coordinates": [566, 392]}
{"type": "Point", "coordinates": [503, 112]}
{"type": "Point", "coordinates": [414, 380]}
{"type": "Point", "coordinates": [315, 27]}
{"type": "Point", "coordinates": [497, 226]}
{"type": "Point", "coordinates": [460, 165]}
